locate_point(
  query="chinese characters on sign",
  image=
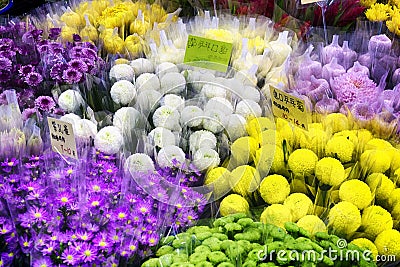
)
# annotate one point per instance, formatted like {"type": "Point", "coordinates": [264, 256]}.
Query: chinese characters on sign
{"type": "Point", "coordinates": [62, 137]}
{"type": "Point", "coordinates": [290, 108]}
{"type": "Point", "coordinates": [207, 53]}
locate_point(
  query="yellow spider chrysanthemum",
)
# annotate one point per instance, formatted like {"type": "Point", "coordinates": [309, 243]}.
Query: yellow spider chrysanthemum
{"type": "Point", "coordinates": [378, 12]}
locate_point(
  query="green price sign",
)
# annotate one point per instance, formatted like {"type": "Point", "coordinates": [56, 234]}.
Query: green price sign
{"type": "Point", "coordinates": [207, 53]}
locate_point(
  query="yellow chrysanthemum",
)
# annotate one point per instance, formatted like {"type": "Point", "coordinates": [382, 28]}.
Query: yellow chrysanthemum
{"type": "Point", "coordinates": [286, 131]}
{"type": "Point", "coordinates": [366, 244]}
{"type": "Point", "coordinates": [363, 136]}
{"type": "Point", "coordinates": [381, 185]}
{"type": "Point", "coordinates": [139, 27]}
{"type": "Point", "coordinates": [300, 205]}
{"type": "Point", "coordinates": [350, 135]}
{"type": "Point", "coordinates": [388, 243]}
{"type": "Point", "coordinates": [330, 171]}
{"type": "Point", "coordinates": [219, 179]}
{"type": "Point", "coordinates": [394, 198]}
{"type": "Point", "coordinates": [67, 33]}
{"type": "Point", "coordinates": [393, 24]}
{"type": "Point", "coordinates": [395, 163]}
{"type": "Point", "coordinates": [133, 44]}
{"type": "Point", "coordinates": [344, 219]}
{"type": "Point", "coordinates": [396, 212]}
{"type": "Point", "coordinates": [378, 12]}
{"type": "Point", "coordinates": [367, 3]}
{"type": "Point", "coordinates": [302, 162]}
{"type": "Point", "coordinates": [244, 149]}
{"type": "Point", "coordinates": [119, 61]}
{"type": "Point", "coordinates": [245, 180]}
{"type": "Point", "coordinates": [315, 140]}
{"type": "Point", "coordinates": [335, 122]}
{"type": "Point", "coordinates": [341, 148]}
{"type": "Point", "coordinates": [313, 224]}
{"type": "Point", "coordinates": [71, 19]}
{"type": "Point", "coordinates": [375, 161]}
{"type": "Point", "coordinates": [233, 204]}
{"type": "Point", "coordinates": [258, 44]}
{"type": "Point", "coordinates": [256, 126]}
{"type": "Point", "coordinates": [377, 143]}
{"type": "Point", "coordinates": [114, 44]}
{"type": "Point", "coordinates": [274, 189]}
{"type": "Point", "coordinates": [356, 192]}
{"type": "Point", "coordinates": [375, 220]}
{"type": "Point", "coordinates": [276, 214]}
{"type": "Point", "coordinates": [269, 158]}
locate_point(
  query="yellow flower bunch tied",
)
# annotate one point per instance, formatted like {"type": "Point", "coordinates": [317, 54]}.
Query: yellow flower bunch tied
{"type": "Point", "coordinates": [335, 122]}
{"type": "Point", "coordinates": [244, 149]}
{"type": "Point", "coordinates": [388, 243]}
{"type": "Point", "coordinates": [378, 12]}
{"type": "Point", "coordinates": [233, 204]}
{"type": "Point", "coordinates": [330, 171]}
{"type": "Point", "coordinates": [302, 162]}
{"type": "Point", "coordinates": [221, 35]}
{"type": "Point", "coordinates": [269, 158]}
{"type": "Point", "coordinates": [118, 15]}
{"type": "Point", "coordinates": [375, 220]}
{"type": "Point", "coordinates": [300, 205]}
{"type": "Point", "coordinates": [256, 126]}
{"type": "Point", "coordinates": [219, 178]}
{"type": "Point", "coordinates": [356, 192]}
{"type": "Point", "coordinates": [276, 214]}
{"type": "Point", "coordinates": [381, 185]}
{"type": "Point", "coordinates": [344, 219]}
{"type": "Point", "coordinates": [341, 148]}
{"type": "Point", "coordinates": [245, 180]}
{"type": "Point", "coordinates": [274, 189]}
{"type": "Point", "coordinates": [113, 43]}
{"type": "Point", "coordinates": [375, 161]}
{"type": "Point", "coordinates": [72, 19]}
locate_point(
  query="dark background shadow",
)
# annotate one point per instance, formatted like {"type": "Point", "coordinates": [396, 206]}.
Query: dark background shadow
{"type": "Point", "coordinates": [21, 7]}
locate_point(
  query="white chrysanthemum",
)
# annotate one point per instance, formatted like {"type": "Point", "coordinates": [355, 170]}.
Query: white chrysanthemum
{"type": "Point", "coordinates": [206, 158]}
{"type": "Point", "coordinates": [147, 100]}
{"type": "Point", "coordinates": [192, 116]}
{"type": "Point", "coordinates": [235, 126]}
{"type": "Point", "coordinates": [162, 137]}
{"type": "Point", "coordinates": [213, 90]}
{"type": "Point", "coordinates": [168, 155]}
{"type": "Point", "coordinates": [166, 67]}
{"type": "Point", "coordinates": [142, 65]}
{"type": "Point", "coordinates": [198, 78]}
{"type": "Point", "coordinates": [123, 92]}
{"type": "Point", "coordinates": [167, 117]}
{"type": "Point", "coordinates": [246, 78]}
{"type": "Point", "coordinates": [122, 72]}
{"type": "Point", "coordinates": [148, 81]}
{"type": "Point", "coordinates": [126, 118]}
{"type": "Point", "coordinates": [70, 118]}
{"type": "Point", "coordinates": [248, 108]}
{"type": "Point", "coordinates": [139, 162]}
{"type": "Point", "coordinates": [214, 120]}
{"type": "Point", "coordinates": [173, 83]}
{"type": "Point", "coordinates": [85, 129]}
{"type": "Point", "coordinates": [70, 100]}
{"type": "Point", "coordinates": [173, 101]}
{"type": "Point", "coordinates": [248, 92]}
{"type": "Point", "coordinates": [221, 104]}
{"type": "Point", "coordinates": [202, 139]}
{"type": "Point", "coordinates": [108, 140]}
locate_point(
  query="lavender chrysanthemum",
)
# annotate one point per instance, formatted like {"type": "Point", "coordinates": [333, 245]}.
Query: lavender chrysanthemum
{"type": "Point", "coordinates": [33, 79]}
{"type": "Point", "coordinates": [25, 70]}
{"type": "Point", "coordinates": [56, 72]}
{"type": "Point", "coordinates": [363, 111]}
{"type": "Point", "coordinates": [45, 103]}
{"type": "Point", "coordinates": [54, 33]}
{"type": "Point", "coordinates": [72, 76]}
{"type": "Point", "coordinates": [351, 88]}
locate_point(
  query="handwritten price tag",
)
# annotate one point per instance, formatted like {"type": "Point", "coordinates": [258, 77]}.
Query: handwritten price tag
{"type": "Point", "coordinates": [208, 53]}
{"type": "Point", "coordinates": [290, 108]}
{"type": "Point", "coordinates": [62, 137]}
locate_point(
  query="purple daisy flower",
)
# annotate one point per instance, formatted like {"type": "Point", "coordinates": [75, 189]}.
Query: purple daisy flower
{"type": "Point", "coordinates": [95, 202]}
{"type": "Point", "coordinates": [33, 79]}
{"type": "Point", "coordinates": [72, 76]}
{"type": "Point", "coordinates": [64, 198]}
{"type": "Point", "coordinates": [101, 242]}
{"type": "Point", "coordinates": [69, 256]}
{"type": "Point", "coordinates": [84, 235]}
{"type": "Point", "coordinates": [78, 65]}
{"type": "Point", "coordinates": [45, 103]}
{"type": "Point", "coordinates": [38, 215]}
{"type": "Point", "coordinates": [43, 49]}
{"type": "Point", "coordinates": [5, 64]}
{"type": "Point", "coordinates": [43, 262]}
{"type": "Point", "coordinates": [87, 253]}
{"type": "Point", "coordinates": [49, 248]}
